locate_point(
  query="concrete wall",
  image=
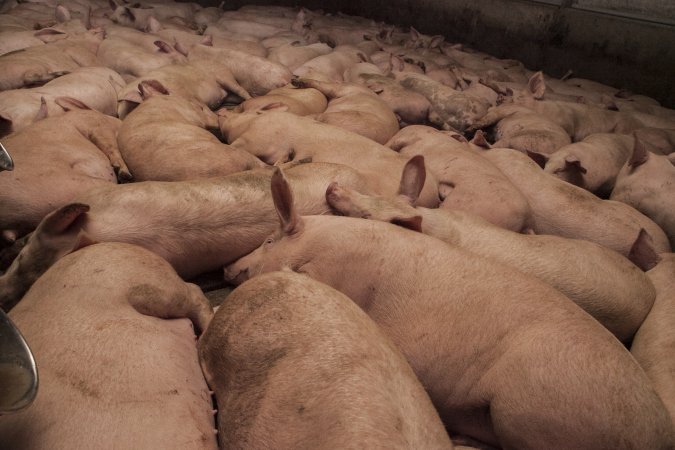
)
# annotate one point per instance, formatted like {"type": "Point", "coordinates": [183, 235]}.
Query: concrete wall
{"type": "Point", "coordinates": [623, 43]}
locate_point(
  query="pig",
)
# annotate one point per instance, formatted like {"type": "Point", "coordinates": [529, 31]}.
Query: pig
{"type": "Point", "coordinates": [88, 87]}
{"type": "Point", "coordinates": [647, 183]}
{"type": "Point", "coordinates": [409, 106]}
{"type": "Point", "coordinates": [354, 108]}
{"type": "Point", "coordinates": [302, 102]}
{"type": "Point", "coordinates": [37, 65]}
{"type": "Point", "coordinates": [657, 140]}
{"type": "Point", "coordinates": [566, 210]}
{"type": "Point", "coordinates": [240, 42]}
{"type": "Point", "coordinates": [111, 327]}
{"type": "Point", "coordinates": [593, 163]}
{"type": "Point", "coordinates": [488, 363]}
{"type": "Point", "coordinates": [294, 55]}
{"type": "Point", "coordinates": [138, 17]}
{"type": "Point", "coordinates": [232, 216]}
{"type": "Point", "coordinates": [207, 85]}
{"type": "Point", "coordinates": [450, 109]}
{"type": "Point", "coordinates": [312, 333]}
{"type": "Point", "coordinates": [278, 136]}
{"type": "Point", "coordinates": [577, 268]}
{"type": "Point", "coordinates": [467, 181]}
{"type": "Point", "coordinates": [654, 342]}
{"type": "Point", "coordinates": [167, 138]}
{"type": "Point", "coordinates": [255, 74]}
{"type": "Point", "coordinates": [332, 66]}
{"type": "Point", "coordinates": [56, 159]}
{"type": "Point", "coordinates": [132, 61]}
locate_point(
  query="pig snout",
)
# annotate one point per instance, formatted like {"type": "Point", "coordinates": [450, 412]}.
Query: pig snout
{"type": "Point", "coordinates": [338, 198]}
{"type": "Point", "coordinates": [236, 273]}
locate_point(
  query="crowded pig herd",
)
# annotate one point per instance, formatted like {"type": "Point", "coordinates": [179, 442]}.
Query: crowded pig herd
{"type": "Point", "coordinates": [432, 247]}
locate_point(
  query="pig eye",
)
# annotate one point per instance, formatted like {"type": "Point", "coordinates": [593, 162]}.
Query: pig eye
{"type": "Point", "coordinates": [269, 241]}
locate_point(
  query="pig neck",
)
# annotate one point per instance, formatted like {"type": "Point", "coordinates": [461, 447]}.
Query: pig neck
{"type": "Point", "coordinates": [464, 230]}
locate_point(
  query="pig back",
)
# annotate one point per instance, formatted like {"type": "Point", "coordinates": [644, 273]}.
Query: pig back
{"type": "Point", "coordinates": [106, 362]}
{"type": "Point", "coordinates": [295, 363]}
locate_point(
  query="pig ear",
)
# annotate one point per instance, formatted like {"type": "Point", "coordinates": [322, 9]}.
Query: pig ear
{"type": "Point", "coordinates": [207, 40]}
{"type": "Point", "coordinates": [539, 158]}
{"type": "Point", "coordinates": [180, 48]}
{"type": "Point", "coordinates": [130, 14]}
{"type": "Point", "coordinates": [112, 4]}
{"type": "Point", "coordinates": [412, 179]}
{"type": "Point", "coordinates": [50, 35]}
{"type": "Point", "coordinates": [58, 222]}
{"type": "Point", "coordinates": [414, 34]}
{"type": "Point", "coordinates": [396, 63]}
{"type": "Point", "coordinates": [276, 106]}
{"type": "Point", "coordinates": [671, 158]}
{"type": "Point", "coordinates": [480, 141]}
{"type": "Point", "coordinates": [5, 126]}
{"type": "Point", "coordinates": [412, 223]}
{"type": "Point", "coordinates": [62, 14]}
{"type": "Point", "coordinates": [573, 164]}
{"type": "Point", "coordinates": [282, 195]}
{"type": "Point", "coordinates": [537, 86]}
{"type": "Point", "coordinates": [43, 111]}
{"type": "Point", "coordinates": [70, 103]}
{"type": "Point", "coordinates": [148, 88]}
{"type": "Point", "coordinates": [642, 253]}
{"type": "Point", "coordinates": [153, 25]}
{"type": "Point", "coordinates": [436, 41]}
{"type": "Point", "coordinates": [623, 93]}
{"type": "Point", "coordinates": [164, 47]}
{"type": "Point", "coordinates": [640, 153]}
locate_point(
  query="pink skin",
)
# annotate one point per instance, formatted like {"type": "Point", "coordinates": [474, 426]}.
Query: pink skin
{"type": "Point", "coordinates": [55, 160]}
{"type": "Point", "coordinates": [294, 55]}
{"type": "Point", "coordinates": [450, 109]}
{"type": "Point", "coordinates": [132, 60]}
{"type": "Point", "coordinates": [232, 216]}
{"type": "Point", "coordinates": [409, 106]}
{"type": "Point", "coordinates": [167, 138]}
{"type": "Point", "coordinates": [255, 74]}
{"type": "Point", "coordinates": [467, 181]}
{"type": "Point", "coordinates": [654, 343]}
{"type": "Point", "coordinates": [593, 163]}
{"type": "Point", "coordinates": [332, 378]}
{"type": "Point", "coordinates": [620, 301]}
{"type": "Point", "coordinates": [43, 63]}
{"type": "Point", "coordinates": [112, 328]}
{"type": "Point", "coordinates": [331, 67]}
{"type": "Point", "coordinates": [301, 102]}
{"type": "Point", "coordinates": [565, 210]}
{"type": "Point", "coordinates": [95, 87]}
{"type": "Point", "coordinates": [536, 353]}
{"type": "Point", "coordinates": [354, 108]}
{"type": "Point", "coordinates": [280, 136]}
{"type": "Point", "coordinates": [647, 183]}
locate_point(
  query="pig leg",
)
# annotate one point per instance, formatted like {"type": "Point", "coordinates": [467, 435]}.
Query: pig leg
{"type": "Point", "coordinates": [105, 139]}
{"type": "Point", "coordinates": [330, 90]}
{"type": "Point", "coordinates": [152, 302]}
{"type": "Point", "coordinates": [228, 82]}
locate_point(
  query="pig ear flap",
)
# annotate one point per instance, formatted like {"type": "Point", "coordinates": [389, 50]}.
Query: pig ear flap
{"type": "Point", "coordinates": [58, 222]}
{"type": "Point", "coordinates": [413, 223]}
{"type": "Point", "coordinates": [539, 158]}
{"type": "Point", "coordinates": [671, 158]}
{"type": "Point", "coordinates": [43, 111]}
{"type": "Point", "coordinates": [153, 25]}
{"type": "Point", "coordinates": [413, 178]}
{"type": "Point", "coordinates": [414, 34]}
{"type": "Point", "coordinates": [573, 164]}
{"type": "Point", "coordinates": [148, 88]}
{"type": "Point", "coordinates": [164, 47]}
{"type": "Point", "coordinates": [70, 103]}
{"type": "Point", "coordinates": [62, 14]}
{"type": "Point", "coordinates": [479, 140]}
{"type": "Point", "coordinates": [180, 48]}
{"type": "Point", "coordinates": [5, 128]}
{"type": "Point", "coordinates": [291, 222]}
{"type": "Point", "coordinates": [536, 85]}
{"type": "Point", "coordinates": [396, 63]}
{"type": "Point", "coordinates": [436, 41]}
{"type": "Point", "coordinates": [640, 153]}
{"type": "Point", "coordinates": [642, 253]}
{"type": "Point", "coordinates": [276, 106]}
{"type": "Point", "coordinates": [207, 40]}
